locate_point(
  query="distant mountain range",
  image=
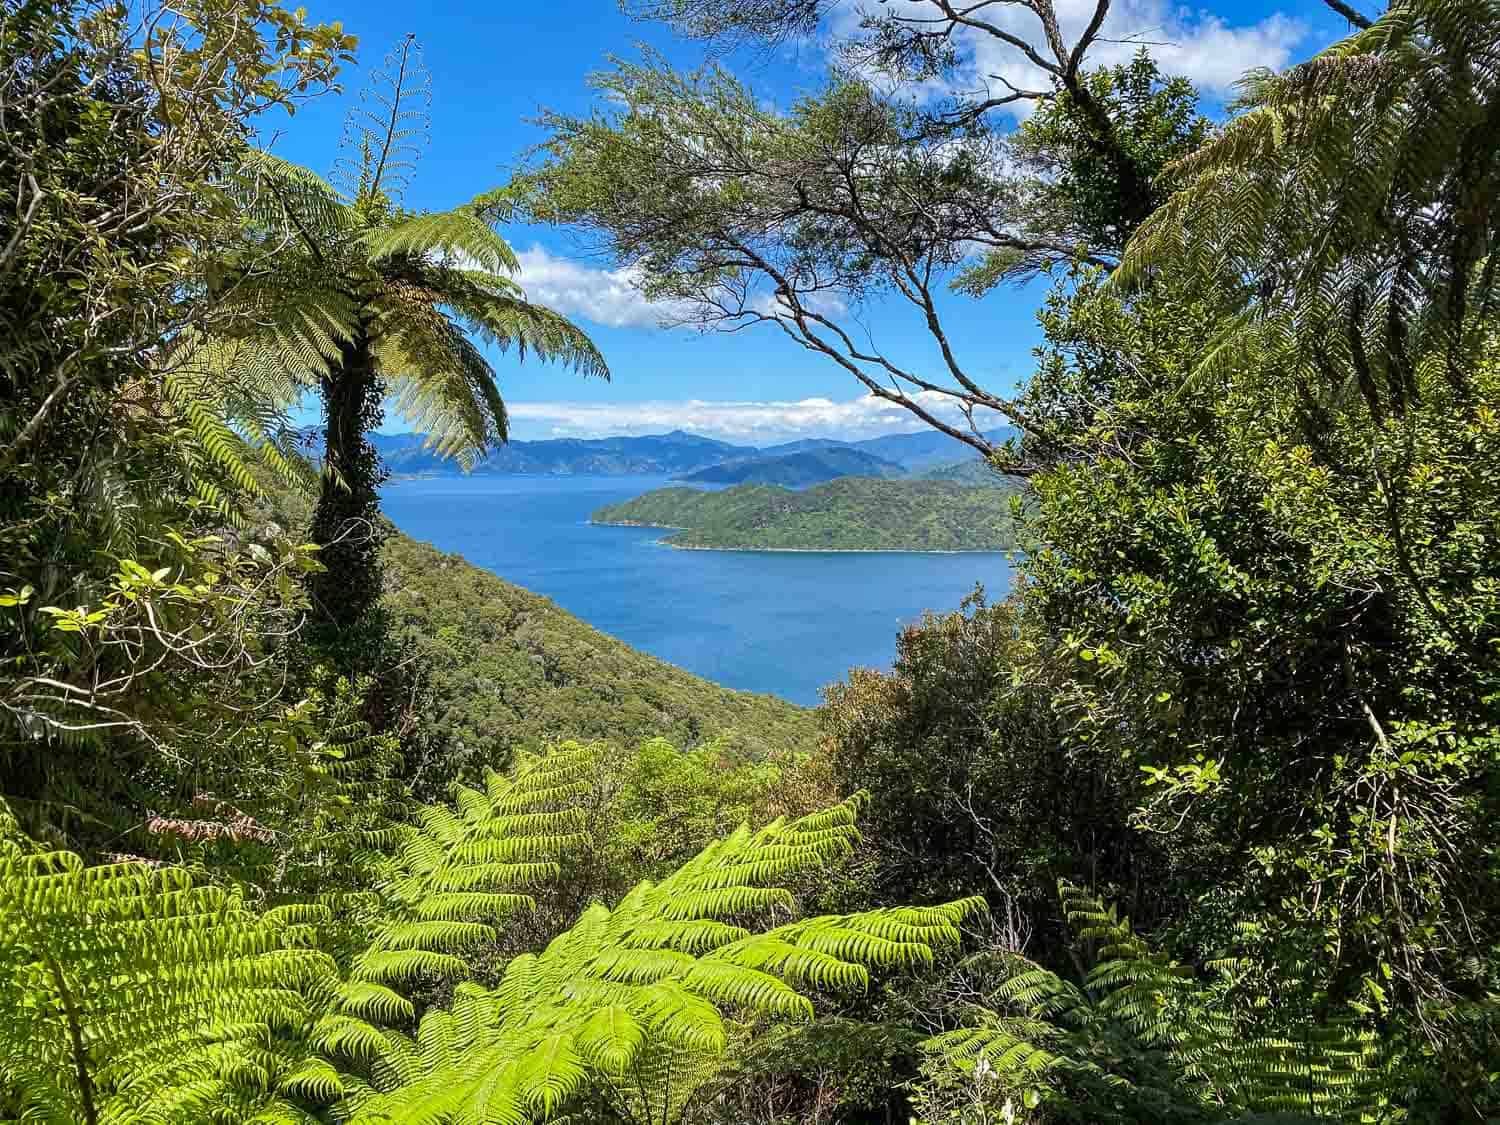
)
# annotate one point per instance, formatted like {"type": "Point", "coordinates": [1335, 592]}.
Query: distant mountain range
{"type": "Point", "coordinates": [797, 470]}
{"type": "Point", "coordinates": [686, 456]}
{"type": "Point", "coordinates": [671, 454]}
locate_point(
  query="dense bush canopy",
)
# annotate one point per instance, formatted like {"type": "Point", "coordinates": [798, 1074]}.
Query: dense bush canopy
{"type": "Point", "coordinates": [1197, 824]}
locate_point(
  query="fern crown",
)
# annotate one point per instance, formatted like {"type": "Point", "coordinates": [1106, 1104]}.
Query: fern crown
{"type": "Point", "coordinates": [354, 276]}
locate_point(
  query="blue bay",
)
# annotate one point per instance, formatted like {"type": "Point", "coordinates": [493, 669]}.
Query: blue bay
{"type": "Point", "coordinates": [787, 623]}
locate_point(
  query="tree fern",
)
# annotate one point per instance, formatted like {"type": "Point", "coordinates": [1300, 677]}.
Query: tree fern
{"type": "Point", "coordinates": [352, 297]}
{"type": "Point", "coordinates": [1352, 203]}
{"type": "Point", "coordinates": [354, 267]}
{"type": "Point", "coordinates": [132, 993]}
{"type": "Point", "coordinates": [1143, 1037]}
{"type": "Point", "coordinates": [641, 987]}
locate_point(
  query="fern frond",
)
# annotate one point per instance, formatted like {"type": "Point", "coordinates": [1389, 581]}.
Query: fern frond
{"type": "Point", "coordinates": [1137, 1012]}
{"type": "Point", "coordinates": [136, 993]}
{"type": "Point", "coordinates": [287, 197]}
{"type": "Point", "coordinates": [449, 238]}
{"type": "Point", "coordinates": [644, 984]}
{"type": "Point", "coordinates": [1359, 191]}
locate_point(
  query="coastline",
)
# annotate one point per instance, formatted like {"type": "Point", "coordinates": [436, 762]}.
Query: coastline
{"type": "Point", "coordinates": [804, 550]}
{"type": "Point", "coordinates": [637, 523]}
{"type": "Point", "coordinates": [850, 550]}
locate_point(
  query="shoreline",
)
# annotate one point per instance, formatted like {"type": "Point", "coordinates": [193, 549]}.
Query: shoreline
{"type": "Point", "coordinates": [804, 550]}
{"type": "Point", "coordinates": [850, 550]}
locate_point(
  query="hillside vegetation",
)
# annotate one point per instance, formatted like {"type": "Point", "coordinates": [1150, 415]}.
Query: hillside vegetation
{"type": "Point", "coordinates": [507, 671]}
{"type": "Point", "coordinates": [847, 514]}
{"type": "Point", "coordinates": [975, 472]}
{"type": "Point", "coordinates": [796, 470]}
{"type": "Point", "coordinates": [511, 672]}
{"type": "Point", "coordinates": [1197, 827]}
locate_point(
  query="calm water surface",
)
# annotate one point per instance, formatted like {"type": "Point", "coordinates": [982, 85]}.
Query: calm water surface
{"type": "Point", "coordinates": [785, 623]}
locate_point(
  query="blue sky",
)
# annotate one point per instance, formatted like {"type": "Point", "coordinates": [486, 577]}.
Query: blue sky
{"type": "Point", "coordinates": [495, 63]}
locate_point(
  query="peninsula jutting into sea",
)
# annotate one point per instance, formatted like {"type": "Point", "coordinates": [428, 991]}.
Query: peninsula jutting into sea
{"type": "Point", "coordinates": [846, 514]}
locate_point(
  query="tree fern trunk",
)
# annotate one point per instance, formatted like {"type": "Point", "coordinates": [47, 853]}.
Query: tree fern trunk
{"type": "Point", "coordinates": [347, 522]}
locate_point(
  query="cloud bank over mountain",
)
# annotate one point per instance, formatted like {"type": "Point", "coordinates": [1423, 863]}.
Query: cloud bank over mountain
{"type": "Point", "coordinates": [756, 423]}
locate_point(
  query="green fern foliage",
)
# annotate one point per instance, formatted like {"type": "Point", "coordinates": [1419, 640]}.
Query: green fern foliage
{"type": "Point", "coordinates": [231, 425]}
{"type": "Point", "coordinates": [1361, 191]}
{"type": "Point", "coordinates": [643, 986]}
{"type": "Point", "coordinates": [457, 873]}
{"type": "Point", "coordinates": [134, 993]}
{"type": "Point", "coordinates": [1142, 1037]}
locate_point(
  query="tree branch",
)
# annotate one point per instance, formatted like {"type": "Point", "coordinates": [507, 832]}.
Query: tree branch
{"type": "Point", "coordinates": [1349, 14]}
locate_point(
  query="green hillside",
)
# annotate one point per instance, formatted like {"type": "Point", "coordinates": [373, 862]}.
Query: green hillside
{"type": "Point", "coordinates": [511, 671]}
{"type": "Point", "coordinates": [975, 472]}
{"type": "Point", "coordinates": [798, 470]}
{"type": "Point", "coordinates": [849, 514]}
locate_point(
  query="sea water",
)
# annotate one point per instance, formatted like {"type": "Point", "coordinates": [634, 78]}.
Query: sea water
{"type": "Point", "coordinates": [786, 623]}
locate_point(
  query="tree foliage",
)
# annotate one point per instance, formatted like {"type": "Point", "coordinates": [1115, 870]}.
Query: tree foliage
{"type": "Point", "coordinates": [1141, 1037]}
{"type": "Point", "coordinates": [957, 745]}
{"type": "Point", "coordinates": [1365, 234]}
{"type": "Point", "coordinates": [249, 1017]}
{"type": "Point", "coordinates": [1155, 119]}
{"type": "Point", "coordinates": [735, 213]}
{"type": "Point", "coordinates": [123, 596]}
{"type": "Point", "coordinates": [366, 301]}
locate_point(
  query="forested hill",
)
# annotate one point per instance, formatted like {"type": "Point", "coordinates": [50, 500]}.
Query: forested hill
{"type": "Point", "coordinates": [848, 514]}
{"type": "Point", "coordinates": [673, 453]}
{"type": "Point", "coordinates": [796, 470]}
{"type": "Point", "coordinates": [511, 671]}
{"type": "Point", "coordinates": [975, 472]}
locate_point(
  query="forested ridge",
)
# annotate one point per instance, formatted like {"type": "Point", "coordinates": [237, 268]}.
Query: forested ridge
{"type": "Point", "coordinates": [796, 470]}
{"type": "Point", "coordinates": [846, 514]}
{"type": "Point", "coordinates": [301, 821]}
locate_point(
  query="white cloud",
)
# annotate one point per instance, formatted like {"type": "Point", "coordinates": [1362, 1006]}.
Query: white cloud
{"type": "Point", "coordinates": [1194, 43]}
{"type": "Point", "coordinates": [613, 297]}
{"type": "Point", "coordinates": [757, 423]}
{"type": "Point", "coordinates": [826, 303]}
{"type": "Point", "coordinates": [1197, 45]}
{"type": "Point", "coordinates": [608, 297]}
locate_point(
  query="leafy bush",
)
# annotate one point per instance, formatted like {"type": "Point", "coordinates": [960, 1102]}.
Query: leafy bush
{"type": "Point", "coordinates": [623, 991]}
{"type": "Point", "coordinates": [1143, 1038]}
{"type": "Point", "coordinates": [959, 748]}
